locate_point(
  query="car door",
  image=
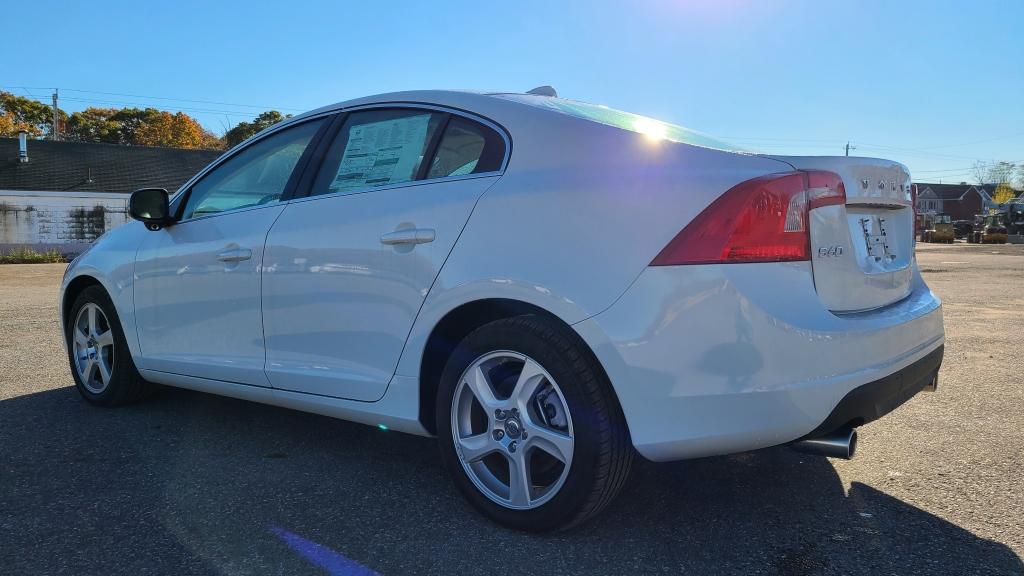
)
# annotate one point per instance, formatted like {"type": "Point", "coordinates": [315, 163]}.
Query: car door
{"type": "Point", "coordinates": [348, 267]}
{"type": "Point", "coordinates": [197, 286]}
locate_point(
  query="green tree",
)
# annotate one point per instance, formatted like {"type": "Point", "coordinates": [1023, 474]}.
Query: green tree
{"type": "Point", "coordinates": [94, 125]}
{"type": "Point", "coordinates": [21, 113]}
{"type": "Point", "coordinates": [244, 130]}
{"type": "Point", "coordinates": [132, 121]}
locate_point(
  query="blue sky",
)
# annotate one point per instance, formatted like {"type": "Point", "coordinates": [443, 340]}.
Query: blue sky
{"type": "Point", "coordinates": [936, 85]}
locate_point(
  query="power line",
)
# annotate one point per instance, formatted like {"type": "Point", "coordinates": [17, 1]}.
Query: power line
{"type": "Point", "coordinates": [757, 139]}
{"type": "Point", "coordinates": [917, 152]}
{"type": "Point", "coordinates": [145, 105]}
{"type": "Point", "coordinates": [975, 141]}
{"type": "Point", "coordinates": [263, 107]}
{"type": "Point", "coordinates": [959, 170]}
{"type": "Point", "coordinates": [766, 142]}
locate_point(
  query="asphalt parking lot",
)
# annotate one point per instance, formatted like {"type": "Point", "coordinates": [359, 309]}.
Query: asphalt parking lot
{"type": "Point", "coordinates": [189, 483]}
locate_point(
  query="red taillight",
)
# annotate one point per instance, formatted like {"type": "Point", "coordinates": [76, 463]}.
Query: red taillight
{"type": "Point", "coordinates": [824, 189]}
{"type": "Point", "coordinates": [760, 220]}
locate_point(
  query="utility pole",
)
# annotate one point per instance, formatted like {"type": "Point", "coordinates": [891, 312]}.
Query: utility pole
{"type": "Point", "coordinates": [848, 148]}
{"type": "Point", "coordinates": [56, 117]}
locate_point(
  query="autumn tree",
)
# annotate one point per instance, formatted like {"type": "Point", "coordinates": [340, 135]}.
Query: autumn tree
{"type": "Point", "coordinates": [244, 130]}
{"type": "Point", "coordinates": [139, 127]}
{"type": "Point", "coordinates": [18, 113]}
{"type": "Point", "coordinates": [178, 130]}
{"type": "Point", "coordinates": [1003, 193]}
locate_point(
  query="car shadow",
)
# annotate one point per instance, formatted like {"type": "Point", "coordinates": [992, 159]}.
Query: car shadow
{"type": "Point", "coordinates": [189, 483]}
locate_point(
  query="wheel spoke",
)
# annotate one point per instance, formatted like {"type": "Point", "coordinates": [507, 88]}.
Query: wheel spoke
{"type": "Point", "coordinates": [519, 479]}
{"type": "Point", "coordinates": [92, 320]}
{"type": "Point", "coordinates": [558, 444]}
{"type": "Point", "coordinates": [474, 448]}
{"type": "Point", "coordinates": [105, 339]}
{"type": "Point", "coordinates": [81, 340]}
{"type": "Point", "coordinates": [104, 371]}
{"type": "Point", "coordinates": [87, 371]}
{"type": "Point", "coordinates": [481, 387]}
{"type": "Point", "coordinates": [529, 379]}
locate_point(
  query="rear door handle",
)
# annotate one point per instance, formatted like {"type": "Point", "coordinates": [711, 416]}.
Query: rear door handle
{"type": "Point", "coordinates": [409, 236]}
{"type": "Point", "coordinates": [235, 255]}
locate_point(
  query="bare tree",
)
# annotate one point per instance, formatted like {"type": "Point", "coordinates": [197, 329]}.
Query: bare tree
{"type": "Point", "coordinates": [980, 171]}
{"type": "Point", "coordinates": [1002, 172]}
{"type": "Point", "coordinates": [996, 172]}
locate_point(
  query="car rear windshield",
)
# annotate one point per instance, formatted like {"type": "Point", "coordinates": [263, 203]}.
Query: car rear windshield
{"type": "Point", "coordinates": [624, 120]}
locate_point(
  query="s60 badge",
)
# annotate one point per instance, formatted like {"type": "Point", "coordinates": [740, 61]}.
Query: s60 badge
{"type": "Point", "coordinates": [830, 251]}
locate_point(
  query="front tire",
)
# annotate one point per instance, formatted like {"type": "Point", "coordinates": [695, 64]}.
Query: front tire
{"type": "Point", "coordinates": [529, 426]}
{"type": "Point", "coordinates": [101, 363]}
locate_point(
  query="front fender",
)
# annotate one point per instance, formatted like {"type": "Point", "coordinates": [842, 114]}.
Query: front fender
{"type": "Point", "coordinates": [110, 261]}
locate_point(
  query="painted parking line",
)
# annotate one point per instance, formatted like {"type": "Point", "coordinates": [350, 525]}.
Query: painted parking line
{"type": "Point", "coordinates": [332, 562]}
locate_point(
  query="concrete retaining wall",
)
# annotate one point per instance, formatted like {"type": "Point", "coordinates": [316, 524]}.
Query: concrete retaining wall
{"type": "Point", "coordinates": [67, 221]}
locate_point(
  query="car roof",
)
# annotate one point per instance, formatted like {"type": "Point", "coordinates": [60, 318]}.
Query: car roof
{"type": "Point", "coordinates": [507, 109]}
{"type": "Point", "coordinates": [454, 98]}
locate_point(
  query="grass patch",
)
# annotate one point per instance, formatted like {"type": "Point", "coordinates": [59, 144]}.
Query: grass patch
{"type": "Point", "coordinates": [30, 256]}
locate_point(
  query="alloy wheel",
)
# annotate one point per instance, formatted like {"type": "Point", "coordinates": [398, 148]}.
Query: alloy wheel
{"type": "Point", "coordinates": [92, 344]}
{"type": "Point", "coordinates": [512, 430]}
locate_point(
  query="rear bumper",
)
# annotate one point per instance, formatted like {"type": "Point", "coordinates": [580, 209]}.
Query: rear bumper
{"type": "Point", "coordinates": [873, 400]}
{"type": "Point", "coordinates": [718, 359]}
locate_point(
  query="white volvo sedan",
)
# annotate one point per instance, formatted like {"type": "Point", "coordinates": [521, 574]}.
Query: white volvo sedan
{"type": "Point", "coordinates": [549, 287]}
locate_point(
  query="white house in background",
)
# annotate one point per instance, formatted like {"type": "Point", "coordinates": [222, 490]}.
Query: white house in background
{"type": "Point", "coordinates": [65, 194]}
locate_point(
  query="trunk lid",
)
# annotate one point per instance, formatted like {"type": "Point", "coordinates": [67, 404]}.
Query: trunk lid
{"type": "Point", "coordinates": [862, 252]}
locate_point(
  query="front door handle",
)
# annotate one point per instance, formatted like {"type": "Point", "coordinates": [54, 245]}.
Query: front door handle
{"type": "Point", "coordinates": [235, 255]}
{"type": "Point", "coordinates": [408, 236]}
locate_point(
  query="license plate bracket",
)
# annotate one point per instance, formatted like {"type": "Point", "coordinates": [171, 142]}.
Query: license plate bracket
{"type": "Point", "coordinates": [875, 238]}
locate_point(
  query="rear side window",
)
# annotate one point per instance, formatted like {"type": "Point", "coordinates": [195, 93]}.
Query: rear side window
{"type": "Point", "coordinates": [377, 148]}
{"type": "Point", "coordinates": [466, 147]}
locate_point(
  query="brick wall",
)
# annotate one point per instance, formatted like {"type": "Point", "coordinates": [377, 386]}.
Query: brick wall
{"type": "Point", "coordinates": [964, 209]}
{"type": "Point", "coordinates": [68, 221]}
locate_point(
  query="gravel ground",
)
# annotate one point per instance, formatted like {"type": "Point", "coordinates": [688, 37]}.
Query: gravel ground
{"type": "Point", "coordinates": [189, 483]}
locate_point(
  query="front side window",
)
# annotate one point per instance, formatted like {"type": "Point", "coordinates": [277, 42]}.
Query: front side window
{"type": "Point", "coordinates": [377, 148]}
{"type": "Point", "coordinates": [466, 147]}
{"type": "Point", "coordinates": [257, 175]}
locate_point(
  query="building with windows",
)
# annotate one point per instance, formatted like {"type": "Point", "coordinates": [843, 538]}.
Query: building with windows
{"type": "Point", "coordinates": [961, 201]}
{"type": "Point", "coordinates": [66, 194]}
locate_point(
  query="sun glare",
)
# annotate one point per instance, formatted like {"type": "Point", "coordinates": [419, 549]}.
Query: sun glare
{"type": "Point", "coordinates": [651, 129]}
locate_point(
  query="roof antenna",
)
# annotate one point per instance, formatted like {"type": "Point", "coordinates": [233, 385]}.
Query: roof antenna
{"type": "Point", "coordinates": [544, 91]}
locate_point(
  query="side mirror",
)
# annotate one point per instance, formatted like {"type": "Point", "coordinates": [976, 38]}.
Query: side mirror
{"type": "Point", "coordinates": [150, 206]}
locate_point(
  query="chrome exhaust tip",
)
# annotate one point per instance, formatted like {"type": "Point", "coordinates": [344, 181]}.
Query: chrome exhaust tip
{"type": "Point", "coordinates": [932, 385]}
{"type": "Point", "coordinates": [839, 444]}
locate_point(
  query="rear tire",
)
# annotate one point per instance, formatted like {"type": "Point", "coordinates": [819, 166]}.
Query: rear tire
{"type": "Point", "coordinates": [561, 491]}
{"type": "Point", "coordinates": [98, 353]}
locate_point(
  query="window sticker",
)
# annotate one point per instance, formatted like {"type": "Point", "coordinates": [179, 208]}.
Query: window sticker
{"type": "Point", "coordinates": [380, 153]}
